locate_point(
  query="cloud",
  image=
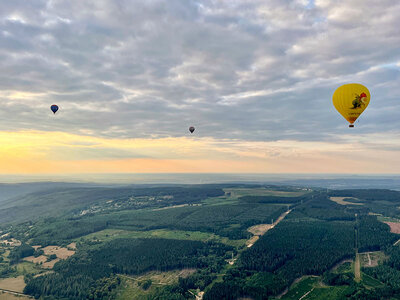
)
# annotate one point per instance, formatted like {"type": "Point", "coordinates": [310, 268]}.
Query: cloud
{"type": "Point", "coordinates": [249, 71]}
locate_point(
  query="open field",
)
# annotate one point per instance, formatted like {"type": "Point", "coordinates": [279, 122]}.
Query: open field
{"type": "Point", "coordinates": [394, 227]}
{"type": "Point", "coordinates": [300, 287]}
{"type": "Point", "coordinates": [130, 287]}
{"type": "Point", "coordinates": [50, 264]}
{"type": "Point", "coordinates": [62, 253]}
{"type": "Point", "coordinates": [259, 229]}
{"type": "Point", "coordinates": [36, 260]}
{"type": "Point", "coordinates": [16, 284]}
{"type": "Point", "coordinates": [357, 267]}
{"type": "Point", "coordinates": [27, 267]}
{"type": "Point", "coordinates": [339, 200]}
{"type": "Point", "coordinates": [371, 259]}
{"type": "Point", "coordinates": [110, 234]}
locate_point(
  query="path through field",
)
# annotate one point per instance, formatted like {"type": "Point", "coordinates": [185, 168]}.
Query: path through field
{"type": "Point", "coordinates": [357, 271]}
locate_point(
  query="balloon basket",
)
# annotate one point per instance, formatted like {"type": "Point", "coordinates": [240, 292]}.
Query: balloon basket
{"type": "Point", "coordinates": [351, 125]}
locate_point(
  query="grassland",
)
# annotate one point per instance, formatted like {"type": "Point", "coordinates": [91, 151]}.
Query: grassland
{"type": "Point", "coordinates": [15, 284]}
{"type": "Point", "coordinates": [340, 200]}
{"type": "Point", "coordinates": [233, 194]}
{"type": "Point", "coordinates": [110, 234]}
{"type": "Point", "coordinates": [131, 286]}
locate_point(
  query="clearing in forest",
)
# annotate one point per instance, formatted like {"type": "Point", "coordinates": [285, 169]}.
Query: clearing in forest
{"type": "Point", "coordinates": [16, 284]}
{"type": "Point", "coordinates": [394, 227]}
{"type": "Point", "coordinates": [357, 268]}
{"type": "Point", "coordinates": [371, 259]}
{"type": "Point", "coordinates": [259, 229]}
{"type": "Point", "coordinates": [36, 260]}
{"type": "Point", "coordinates": [131, 286]}
{"type": "Point", "coordinates": [340, 200]}
{"type": "Point", "coordinates": [62, 253]}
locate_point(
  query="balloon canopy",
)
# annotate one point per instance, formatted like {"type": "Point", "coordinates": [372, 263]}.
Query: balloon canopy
{"type": "Point", "coordinates": [54, 108]}
{"type": "Point", "coordinates": [191, 129]}
{"type": "Point", "coordinates": [350, 100]}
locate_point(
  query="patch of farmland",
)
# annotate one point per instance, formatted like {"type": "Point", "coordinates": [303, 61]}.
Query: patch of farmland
{"type": "Point", "coordinates": [16, 284]}
{"type": "Point", "coordinates": [36, 260]}
{"type": "Point", "coordinates": [394, 227]}
{"type": "Point", "coordinates": [340, 200]}
{"type": "Point", "coordinates": [72, 246]}
{"type": "Point", "coordinates": [50, 264]}
{"type": "Point", "coordinates": [62, 253]}
{"type": "Point", "coordinates": [260, 229]}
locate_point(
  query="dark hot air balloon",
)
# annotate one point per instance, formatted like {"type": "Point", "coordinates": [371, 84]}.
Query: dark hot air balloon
{"type": "Point", "coordinates": [191, 129]}
{"type": "Point", "coordinates": [54, 108]}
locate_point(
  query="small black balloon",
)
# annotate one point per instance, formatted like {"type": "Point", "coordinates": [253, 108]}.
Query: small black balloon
{"type": "Point", "coordinates": [191, 129]}
{"type": "Point", "coordinates": [54, 108]}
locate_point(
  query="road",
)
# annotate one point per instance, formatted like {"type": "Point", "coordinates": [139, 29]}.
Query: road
{"type": "Point", "coordinates": [16, 293]}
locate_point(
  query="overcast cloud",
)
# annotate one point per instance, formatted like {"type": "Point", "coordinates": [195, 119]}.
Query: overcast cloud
{"type": "Point", "coordinates": [242, 70]}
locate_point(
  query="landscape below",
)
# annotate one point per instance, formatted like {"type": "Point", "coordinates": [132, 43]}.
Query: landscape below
{"type": "Point", "coordinates": [214, 241]}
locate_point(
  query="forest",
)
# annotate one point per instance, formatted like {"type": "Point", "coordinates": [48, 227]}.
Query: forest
{"type": "Point", "coordinates": [204, 233]}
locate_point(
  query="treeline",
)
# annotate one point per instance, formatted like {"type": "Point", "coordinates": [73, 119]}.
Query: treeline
{"type": "Point", "coordinates": [74, 277]}
{"type": "Point", "coordinates": [17, 253]}
{"type": "Point", "coordinates": [271, 199]}
{"type": "Point", "coordinates": [216, 219]}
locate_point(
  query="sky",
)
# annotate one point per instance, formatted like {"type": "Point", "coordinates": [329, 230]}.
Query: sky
{"type": "Point", "coordinates": [255, 78]}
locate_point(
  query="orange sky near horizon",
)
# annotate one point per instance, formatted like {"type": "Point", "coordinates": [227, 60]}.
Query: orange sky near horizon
{"type": "Point", "coordinates": [39, 152]}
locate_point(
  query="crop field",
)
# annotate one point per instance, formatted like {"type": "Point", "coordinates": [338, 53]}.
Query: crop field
{"type": "Point", "coordinates": [16, 284]}
{"type": "Point", "coordinates": [62, 253]}
{"type": "Point", "coordinates": [340, 200]}
{"type": "Point", "coordinates": [131, 286]}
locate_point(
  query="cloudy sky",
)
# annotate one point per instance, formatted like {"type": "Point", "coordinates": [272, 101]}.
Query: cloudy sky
{"type": "Point", "coordinates": [255, 78]}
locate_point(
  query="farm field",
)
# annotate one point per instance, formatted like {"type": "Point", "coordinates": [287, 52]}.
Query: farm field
{"type": "Point", "coordinates": [15, 284]}
{"type": "Point", "coordinates": [340, 200]}
{"type": "Point", "coordinates": [132, 286]}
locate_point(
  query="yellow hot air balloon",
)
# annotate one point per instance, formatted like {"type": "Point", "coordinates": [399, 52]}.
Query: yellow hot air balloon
{"type": "Point", "coordinates": [351, 100]}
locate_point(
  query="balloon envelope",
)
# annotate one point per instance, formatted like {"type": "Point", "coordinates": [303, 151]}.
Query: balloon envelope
{"type": "Point", "coordinates": [350, 100]}
{"type": "Point", "coordinates": [54, 108]}
{"type": "Point", "coordinates": [191, 129]}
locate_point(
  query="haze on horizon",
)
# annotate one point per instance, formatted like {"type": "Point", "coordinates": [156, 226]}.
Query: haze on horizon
{"type": "Point", "coordinates": [256, 80]}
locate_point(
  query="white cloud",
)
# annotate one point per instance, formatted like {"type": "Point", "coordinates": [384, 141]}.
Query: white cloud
{"type": "Point", "coordinates": [247, 70]}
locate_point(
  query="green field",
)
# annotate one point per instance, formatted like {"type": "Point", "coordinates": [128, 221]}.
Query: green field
{"type": "Point", "coordinates": [130, 287]}
{"type": "Point", "coordinates": [300, 288]}
{"type": "Point", "coordinates": [110, 234]}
